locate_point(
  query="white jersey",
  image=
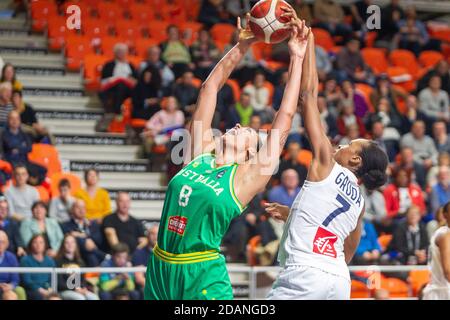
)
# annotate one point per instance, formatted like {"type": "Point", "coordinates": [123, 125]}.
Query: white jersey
{"type": "Point", "coordinates": [323, 214]}
{"type": "Point", "coordinates": [439, 287]}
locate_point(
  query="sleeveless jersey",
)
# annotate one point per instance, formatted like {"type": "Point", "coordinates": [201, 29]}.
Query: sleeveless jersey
{"type": "Point", "coordinates": [199, 206]}
{"type": "Point", "coordinates": [438, 279]}
{"type": "Point", "coordinates": [322, 216]}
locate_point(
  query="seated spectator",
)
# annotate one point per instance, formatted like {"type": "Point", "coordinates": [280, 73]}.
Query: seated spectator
{"type": "Point", "coordinates": [384, 89]}
{"type": "Point", "coordinates": [9, 281]}
{"type": "Point", "coordinates": [410, 240]}
{"type": "Point", "coordinates": [37, 285]}
{"type": "Point", "coordinates": [329, 121]}
{"type": "Point", "coordinates": [351, 65]}
{"type": "Point", "coordinates": [402, 194]}
{"type": "Point", "coordinates": [391, 120]}
{"type": "Point", "coordinates": [245, 70]}
{"type": "Point", "coordinates": [159, 128]}
{"type": "Point", "coordinates": [413, 113]}
{"type": "Point", "coordinates": [360, 15]}
{"type": "Point", "coordinates": [385, 139]}
{"type": "Point", "coordinates": [98, 203]}
{"type": "Point", "coordinates": [369, 250]}
{"type": "Point", "coordinates": [390, 16]}
{"type": "Point", "coordinates": [241, 112]}
{"type": "Point", "coordinates": [423, 147]}
{"type": "Point", "coordinates": [443, 161]}
{"type": "Point", "coordinates": [87, 233]}
{"type": "Point", "coordinates": [11, 229]}
{"type": "Point", "coordinates": [186, 93]}
{"type": "Point", "coordinates": [439, 220]}
{"type": "Point", "coordinates": [204, 55]}
{"type": "Point", "coordinates": [330, 16]}
{"type": "Point", "coordinates": [286, 192]}
{"type": "Point", "coordinates": [348, 118]}
{"type": "Point", "coordinates": [440, 136]}
{"type": "Point", "coordinates": [237, 8]}
{"type": "Point", "coordinates": [412, 34]}
{"type": "Point", "coordinates": [29, 120]}
{"type": "Point", "coordinates": [375, 207]}
{"type": "Point", "coordinates": [352, 133]}
{"type": "Point", "coordinates": [113, 284]}
{"type": "Point", "coordinates": [6, 105]}
{"type": "Point", "coordinates": [323, 63]}
{"type": "Point", "coordinates": [40, 224]}
{"type": "Point", "coordinates": [256, 124]}
{"type": "Point", "coordinates": [117, 82]}
{"type": "Point", "coordinates": [260, 97]}
{"type": "Point", "coordinates": [60, 206]}
{"type": "Point", "coordinates": [225, 101]}
{"type": "Point", "coordinates": [212, 12]}
{"type": "Point", "coordinates": [147, 94]}
{"type": "Point", "coordinates": [69, 257]}
{"type": "Point", "coordinates": [16, 145]}
{"type": "Point", "coordinates": [440, 192]}
{"type": "Point", "coordinates": [406, 161]}
{"type": "Point", "coordinates": [154, 60]}
{"type": "Point", "coordinates": [279, 91]}
{"type": "Point", "coordinates": [122, 227]}
{"type": "Point", "coordinates": [175, 53]}
{"type": "Point", "coordinates": [291, 162]}
{"type": "Point", "coordinates": [141, 256]}
{"type": "Point", "coordinates": [9, 75]}
{"type": "Point", "coordinates": [333, 94]}
{"type": "Point", "coordinates": [303, 11]}
{"type": "Point", "coordinates": [441, 69]}
{"type": "Point", "coordinates": [20, 195]}
{"type": "Point", "coordinates": [434, 102]}
{"type": "Point", "coordinates": [349, 93]}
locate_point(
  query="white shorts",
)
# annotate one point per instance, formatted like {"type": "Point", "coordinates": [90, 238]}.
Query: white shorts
{"type": "Point", "coordinates": [308, 283]}
{"type": "Point", "coordinates": [432, 292]}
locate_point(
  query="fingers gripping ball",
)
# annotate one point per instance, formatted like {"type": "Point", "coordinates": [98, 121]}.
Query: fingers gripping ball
{"type": "Point", "coordinates": [267, 22]}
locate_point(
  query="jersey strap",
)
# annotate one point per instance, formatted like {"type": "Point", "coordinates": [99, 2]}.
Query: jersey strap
{"type": "Point", "coordinates": [233, 194]}
{"type": "Point", "coordinates": [185, 258]}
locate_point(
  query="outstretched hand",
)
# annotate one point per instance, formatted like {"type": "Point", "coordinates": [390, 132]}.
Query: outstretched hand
{"type": "Point", "coordinates": [245, 34]}
{"type": "Point", "coordinates": [299, 33]}
{"type": "Point", "coordinates": [277, 211]}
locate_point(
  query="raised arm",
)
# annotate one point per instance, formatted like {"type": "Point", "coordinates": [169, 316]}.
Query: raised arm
{"type": "Point", "coordinates": [251, 177]}
{"type": "Point", "coordinates": [322, 150]}
{"type": "Point", "coordinates": [200, 126]}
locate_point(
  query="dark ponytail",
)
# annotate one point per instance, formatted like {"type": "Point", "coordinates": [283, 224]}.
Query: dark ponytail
{"type": "Point", "coordinates": [372, 171]}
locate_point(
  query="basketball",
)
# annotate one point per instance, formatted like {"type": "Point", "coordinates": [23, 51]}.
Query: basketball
{"type": "Point", "coordinates": [267, 23]}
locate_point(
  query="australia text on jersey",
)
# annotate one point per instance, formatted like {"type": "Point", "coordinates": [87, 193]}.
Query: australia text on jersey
{"type": "Point", "coordinates": [207, 181]}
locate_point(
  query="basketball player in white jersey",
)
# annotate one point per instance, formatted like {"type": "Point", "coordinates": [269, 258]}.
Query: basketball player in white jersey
{"type": "Point", "coordinates": [323, 227]}
{"type": "Point", "coordinates": [439, 262]}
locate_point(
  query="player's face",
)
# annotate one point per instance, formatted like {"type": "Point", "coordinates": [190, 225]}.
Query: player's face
{"type": "Point", "coordinates": [347, 155]}
{"type": "Point", "coordinates": [239, 140]}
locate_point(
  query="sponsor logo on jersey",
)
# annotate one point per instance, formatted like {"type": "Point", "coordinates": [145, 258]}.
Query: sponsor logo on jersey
{"type": "Point", "coordinates": [324, 243]}
{"type": "Point", "coordinates": [177, 224]}
{"type": "Point", "coordinates": [220, 174]}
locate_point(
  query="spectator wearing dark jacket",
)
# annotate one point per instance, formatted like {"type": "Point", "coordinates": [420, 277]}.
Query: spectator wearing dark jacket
{"type": "Point", "coordinates": [16, 146]}
{"type": "Point", "coordinates": [87, 233]}
{"type": "Point", "coordinates": [186, 93]}
{"type": "Point", "coordinates": [147, 94]}
{"type": "Point", "coordinates": [410, 242]}
{"type": "Point", "coordinates": [8, 281]}
{"type": "Point", "coordinates": [442, 70]}
{"type": "Point", "coordinates": [11, 228]}
{"type": "Point", "coordinates": [351, 64]}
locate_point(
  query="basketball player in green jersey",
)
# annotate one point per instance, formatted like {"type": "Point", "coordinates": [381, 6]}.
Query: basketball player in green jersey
{"type": "Point", "coordinates": [213, 188]}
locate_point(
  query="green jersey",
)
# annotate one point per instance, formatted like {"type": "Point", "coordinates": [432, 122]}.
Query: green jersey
{"type": "Point", "coordinates": [199, 206]}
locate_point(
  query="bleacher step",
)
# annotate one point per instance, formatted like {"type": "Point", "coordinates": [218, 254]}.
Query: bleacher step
{"type": "Point", "coordinates": [66, 104]}
{"type": "Point", "coordinates": [98, 152]}
{"type": "Point", "coordinates": [50, 60]}
{"type": "Point", "coordinates": [23, 41]}
{"type": "Point", "coordinates": [58, 126]}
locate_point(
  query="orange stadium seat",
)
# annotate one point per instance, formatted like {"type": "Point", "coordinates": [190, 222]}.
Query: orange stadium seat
{"type": "Point", "coordinates": [384, 241]}
{"type": "Point", "coordinates": [141, 13]}
{"type": "Point", "coordinates": [107, 45]}
{"type": "Point", "coordinates": [375, 58]}
{"type": "Point", "coordinates": [359, 290]}
{"type": "Point", "coordinates": [222, 32]}
{"type": "Point", "coordinates": [236, 89]}
{"type": "Point", "coordinates": [41, 10]}
{"type": "Point", "coordinates": [323, 38]}
{"type": "Point", "coordinates": [192, 8]}
{"type": "Point", "coordinates": [407, 60]}
{"type": "Point", "coordinates": [95, 28]}
{"type": "Point", "coordinates": [110, 11]}
{"type": "Point", "coordinates": [304, 157]}
{"type": "Point", "coordinates": [251, 247]}
{"type": "Point", "coordinates": [430, 58]}
{"type": "Point", "coordinates": [141, 47]}
{"type": "Point", "coordinates": [261, 50]}
{"type": "Point", "coordinates": [93, 64]}
{"type": "Point", "coordinates": [172, 13]}
{"type": "Point", "coordinates": [418, 279]}
{"type": "Point", "coordinates": [371, 36]}
{"type": "Point", "coordinates": [190, 30]}
{"type": "Point", "coordinates": [56, 32]}
{"type": "Point", "coordinates": [129, 29]}
{"type": "Point", "coordinates": [401, 77]}
{"type": "Point", "coordinates": [47, 156]}
{"type": "Point", "coordinates": [44, 195]}
{"type": "Point", "coordinates": [365, 90]}
{"type": "Point", "coordinates": [397, 288]}
{"type": "Point", "coordinates": [75, 182]}
{"type": "Point", "coordinates": [77, 47]}
{"type": "Point", "coordinates": [269, 86]}
{"type": "Point", "coordinates": [158, 30]}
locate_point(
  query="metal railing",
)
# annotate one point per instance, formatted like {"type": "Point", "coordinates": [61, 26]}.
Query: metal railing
{"type": "Point", "coordinates": [252, 272]}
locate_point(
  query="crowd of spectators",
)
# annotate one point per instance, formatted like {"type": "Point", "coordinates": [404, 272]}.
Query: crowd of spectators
{"type": "Point", "coordinates": [81, 230]}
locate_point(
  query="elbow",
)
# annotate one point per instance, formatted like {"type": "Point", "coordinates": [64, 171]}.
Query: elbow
{"type": "Point", "coordinates": [208, 86]}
